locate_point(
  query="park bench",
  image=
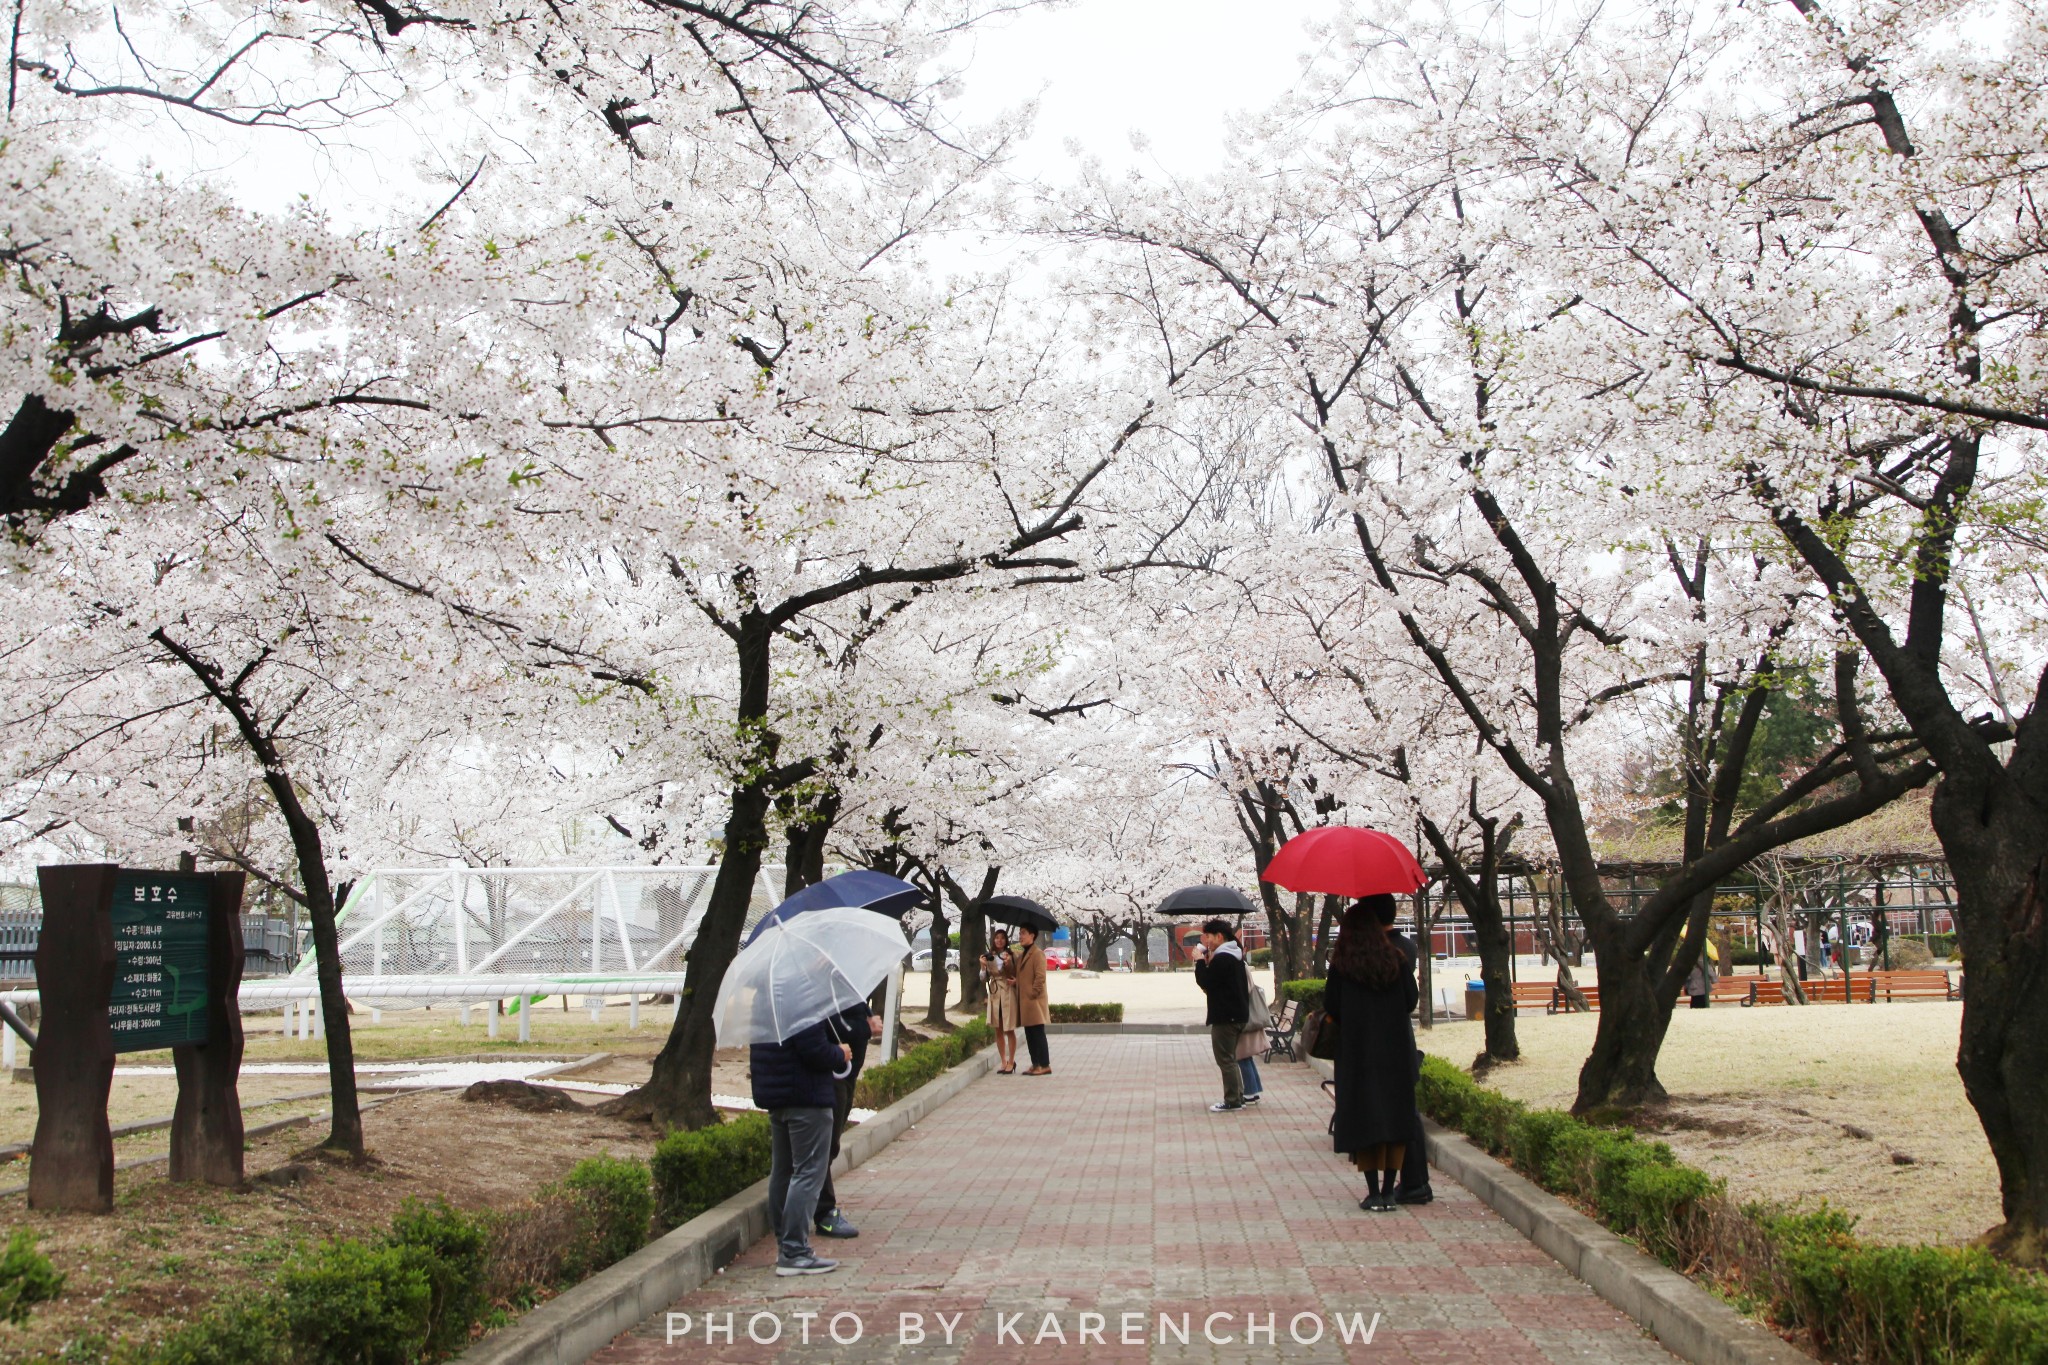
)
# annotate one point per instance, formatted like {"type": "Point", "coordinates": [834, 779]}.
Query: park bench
{"type": "Point", "coordinates": [1907, 985]}
{"type": "Point", "coordinates": [1280, 1033]}
{"type": "Point", "coordinates": [1560, 1003]}
{"type": "Point", "coordinates": [1532, 995]}
{"type": "Point", "coordinates": [1765, 991]}
{"type": "Point", "coordinates": [1732, 990]}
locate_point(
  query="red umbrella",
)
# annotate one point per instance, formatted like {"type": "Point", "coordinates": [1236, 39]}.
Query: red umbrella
{"type": "Point", "coordinates": [1338, 860]}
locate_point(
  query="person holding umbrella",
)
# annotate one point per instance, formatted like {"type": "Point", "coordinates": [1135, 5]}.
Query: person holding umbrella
{"type": "Point", "coordinates": [793, 1082]}
{"type": "Point", "coordinates": [1370, 994]}
{"type": "Point", "coordinates": [1034, 1008]}
{"type": "Point", "coordinates": [1220, 972]}
{"type": "Point", "coordinates": [782, 995]}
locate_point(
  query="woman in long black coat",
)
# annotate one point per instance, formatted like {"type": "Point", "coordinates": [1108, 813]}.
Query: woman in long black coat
{"type": "Point", "coordinates": [1371, 993]}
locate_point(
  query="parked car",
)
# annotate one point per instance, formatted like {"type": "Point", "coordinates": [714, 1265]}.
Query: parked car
{"type": "Point", "coordinates": [921, 960]}
{"type": "Point", "coordinates": [1059, 960]}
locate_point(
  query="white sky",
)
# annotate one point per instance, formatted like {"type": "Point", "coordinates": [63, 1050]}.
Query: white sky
{"type": "Point", "coordinates": [1169, 70]}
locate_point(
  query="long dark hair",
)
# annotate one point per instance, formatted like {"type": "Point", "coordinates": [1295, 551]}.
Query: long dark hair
{"type": "Point", "coordinates": [1365, 952]}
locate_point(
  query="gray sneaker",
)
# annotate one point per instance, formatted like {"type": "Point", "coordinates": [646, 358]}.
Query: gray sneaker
{"type": "Point", "coordinates": [834, 1224]}
{"type": "Point", "coordinates": [806, 1265]}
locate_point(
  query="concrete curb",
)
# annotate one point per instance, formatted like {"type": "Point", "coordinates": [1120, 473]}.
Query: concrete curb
{"type": "Point", "coordinates": [568, 1330]}
{"type": "Point", "coordinates": [1688, 1321]}
{"type": "Point", "coordinates": [1108, 1029]}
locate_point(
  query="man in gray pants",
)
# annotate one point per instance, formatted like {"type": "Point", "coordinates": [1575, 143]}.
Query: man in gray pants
{"type": "Point", "coordinates": [792, 1080]}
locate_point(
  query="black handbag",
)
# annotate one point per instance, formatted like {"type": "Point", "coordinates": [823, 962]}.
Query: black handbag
{"type": "Point", "coordinates": [1322, 1044]}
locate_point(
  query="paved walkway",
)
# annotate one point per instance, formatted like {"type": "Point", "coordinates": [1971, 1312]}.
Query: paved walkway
{"type": "Point", "coordinates": [1105, 1205]}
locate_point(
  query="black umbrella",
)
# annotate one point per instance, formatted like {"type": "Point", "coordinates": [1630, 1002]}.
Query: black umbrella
{"type": "Point", "coordinates": [1021, 912]}
{"type": "Point", "coordinates": [1207, 900]}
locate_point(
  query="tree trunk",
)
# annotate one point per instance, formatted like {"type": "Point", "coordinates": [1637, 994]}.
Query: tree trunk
{"type": "Point", "coordinates": [1141, 950]}
{"type": "Point", "coordinates": [973, 943]}
{"type": "Point", "coordinates": [1997, 844]}
{"type": "Point", "coordinates": [1496, 952]}
{"type": "Point", "coordinates": [1621, 1071]}
{"type": "Point", "coordinates": [942, 930]}
{"type": "Point", "coordinates": [678, 1093]}
{"type": "Point", "coordinates": [1304, 902]}
{"type": "Point", "coordinates": [804, 863]}
{"type": "Point", "coordinates": [345, 1133]}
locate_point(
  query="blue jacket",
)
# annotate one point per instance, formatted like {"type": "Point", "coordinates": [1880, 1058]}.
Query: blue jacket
{"type": "Point", "coordinates": [797, 1072]}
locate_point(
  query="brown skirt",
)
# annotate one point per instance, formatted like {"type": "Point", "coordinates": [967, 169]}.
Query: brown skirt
{"type": "Point", "coordinates": [1002, 1006]}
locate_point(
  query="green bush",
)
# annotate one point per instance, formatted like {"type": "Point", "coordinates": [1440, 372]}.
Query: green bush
{"type": "Point", "coordinates": [27, 1277]}
{"type": "Point", "coordinates": [1261, 957]}
{"type": "Point", "coordinates": [1307, 992]}
{"type": "Point", "coordinates": [699, 1170]}
{"type": "Point", "coordinates": [345, 1303]}
{"type": "Point", "coordinates": [618, 1202]}
{"type": "Point", "coordinates": [2007, 1329]}
{"type": "Point", "coordinates": [881, 1086]}
{"type": "Point", "coordinates": [451, 1249]}
{"type": "Point", "coordinates": [250, 1333]}
{"type": "Point", "coordinates": [1088, 1014]}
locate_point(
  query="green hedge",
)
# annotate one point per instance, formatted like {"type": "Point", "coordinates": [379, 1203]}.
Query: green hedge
{"type": "Point", "coordinates": [1308, 992]}
{"type": "Point", "coordinates": [26, 1277]}
{"type": "Point", "coordinates": [1088, 1014]}
{"type": "Point", "coordinates": [881, 1086]}
{"type": "Point", "coordinates": [695, 1171]}
{"type": "Point", "coordinates": [1261, 957]}
{"type": "Point", "coordinates": [1888, 1305]}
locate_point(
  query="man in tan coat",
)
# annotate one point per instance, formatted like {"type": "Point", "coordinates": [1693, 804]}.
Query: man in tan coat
{"type": "Point", "coordinates": [1034, 1010]}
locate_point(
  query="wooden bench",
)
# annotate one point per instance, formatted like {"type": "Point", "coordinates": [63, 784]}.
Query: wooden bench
{"type": "Point", "coordinates": [1732, 990]}
{"type": "Point", "coordinates": [1830, 990]}
{"type": "Point", "coordinates": [1560, 1003]}
{"type": "Point", "coordinates": [1532, 995]}
{"type": "Point", "coordinates": [1765, 990]}
{"type": "Point", "coordinates": [1280, 1033]}
{"type": "Point", "coordinates": [1907, 985]}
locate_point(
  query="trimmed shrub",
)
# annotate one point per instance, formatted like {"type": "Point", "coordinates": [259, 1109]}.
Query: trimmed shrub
{"type": "Point", "coordinates": [1307, 992]}
{"type": "Point", "coordinates": [450, 1248]}
{"type": "Point", "coordinates": [1088, 1014]}
{"type": "Point", "coordinates": [695, 1171]}
{"type": "Point", "coordinates": [345, 1303]}
{"type": "Point", "coordinates": [617, 1201]}
{"type": "Point", "coordinates": [881, 1086]}
{"type": "Point", "coordinates": [1261, 957]}
{"type": "Point", "coordinates": [236, 1334]}
{"type": "Point", "coordinates": [27, 1277]}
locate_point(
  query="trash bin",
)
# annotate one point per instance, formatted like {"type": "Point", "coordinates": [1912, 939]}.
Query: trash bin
{"type": "Point", "coordinates": [1475, 999]}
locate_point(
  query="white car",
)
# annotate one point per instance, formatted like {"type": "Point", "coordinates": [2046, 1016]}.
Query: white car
{"type": "Point", "coordinates": [921, 960]}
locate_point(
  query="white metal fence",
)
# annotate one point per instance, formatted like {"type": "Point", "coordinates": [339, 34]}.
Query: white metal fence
{"type": "Point", "coordinates": [528, 923]}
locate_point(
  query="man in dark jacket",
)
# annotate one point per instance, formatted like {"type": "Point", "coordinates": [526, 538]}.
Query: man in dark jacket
{"type": "Point", "coordinates": [793, 1082]}
{"type": "Point", "coordinates": [854, 1028]}
{"type": "Point", "coordinates": [1220, 972]}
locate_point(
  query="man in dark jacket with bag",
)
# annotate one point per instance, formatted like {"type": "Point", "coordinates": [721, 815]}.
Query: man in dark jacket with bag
{"type": "Point", "coordinates": [793, 1082]}
{"type": "Point", "coordinates": [1220, 972]}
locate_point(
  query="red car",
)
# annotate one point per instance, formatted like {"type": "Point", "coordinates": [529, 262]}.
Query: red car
{"type": "Point", "coordinates": [1058, 961]}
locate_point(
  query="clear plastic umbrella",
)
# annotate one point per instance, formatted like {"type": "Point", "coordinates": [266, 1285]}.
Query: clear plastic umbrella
{"type": "Point", "coordinates": [802, 970]}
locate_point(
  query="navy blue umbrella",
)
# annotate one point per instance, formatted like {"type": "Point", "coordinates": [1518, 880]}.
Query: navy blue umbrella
{"type": "Point", "coordinates": [863, 890]}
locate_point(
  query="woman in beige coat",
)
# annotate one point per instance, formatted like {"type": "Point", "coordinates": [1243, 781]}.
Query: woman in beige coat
{"type": "Point", "coordinates": [999, 969]}
{"type": "Point", "coordinates": [1034, 1010]}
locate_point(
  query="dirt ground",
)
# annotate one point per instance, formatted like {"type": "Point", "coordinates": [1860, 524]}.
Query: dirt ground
{"type": "Point", "coordinates": [1856, 1104]}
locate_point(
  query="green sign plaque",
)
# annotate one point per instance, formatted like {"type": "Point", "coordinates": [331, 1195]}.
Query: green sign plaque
{"type": "Point", "coordinates": [160, 928]}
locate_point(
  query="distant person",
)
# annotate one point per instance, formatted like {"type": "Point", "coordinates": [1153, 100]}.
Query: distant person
{"type": "Point", "coordinates": [1220, 972]}
{"type": "Point", "coordinates": [999, 969]}
{"type": "Point", "coordinates": [1370, 994]}
{"type": "Point", "coordinates": [1699, 983]}
{"type": "Point", "coordinates": [793, 1081]}
{"type": "Point", "coordinates": [853, 1029]}
{"type": "Point", "coordinates": [1034, 1007]}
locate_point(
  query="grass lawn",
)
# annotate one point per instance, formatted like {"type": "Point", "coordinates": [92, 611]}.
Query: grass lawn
{"type": "Point", "coordinates": [1856, 1104]}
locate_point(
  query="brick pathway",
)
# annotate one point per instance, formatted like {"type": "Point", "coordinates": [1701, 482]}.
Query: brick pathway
{"type": "Point", "coordinates": [1107, 1189]}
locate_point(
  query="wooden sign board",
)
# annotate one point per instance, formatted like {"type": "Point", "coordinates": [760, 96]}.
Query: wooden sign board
{"type": "Point", "coordinates": [161, 927]}
{"type": "Point", "coordinates": [129, 961]}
